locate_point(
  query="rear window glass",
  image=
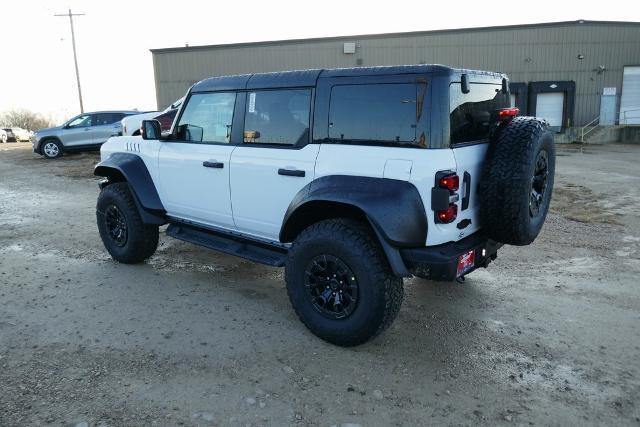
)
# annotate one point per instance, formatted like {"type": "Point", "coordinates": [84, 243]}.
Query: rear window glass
{"type": "Point", "coordinates": [102, 119]}
{"type": "Point", "coordinates": [386, 113]}
{"type": "Point", "coordinates": [473, 114]}
{"type": "Point", "coordinates": [277, 117]}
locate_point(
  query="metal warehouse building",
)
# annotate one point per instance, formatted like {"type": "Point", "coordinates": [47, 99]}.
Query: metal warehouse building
{"type": "Point", "coordinates": [573, 73]}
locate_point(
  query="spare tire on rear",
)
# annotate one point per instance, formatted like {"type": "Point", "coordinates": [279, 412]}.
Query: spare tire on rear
{"type": "Point", "coordinates": [517, 182]}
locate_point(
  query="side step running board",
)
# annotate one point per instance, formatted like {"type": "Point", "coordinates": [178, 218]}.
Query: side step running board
{"type": "Point", "coordinates": [263, 253]}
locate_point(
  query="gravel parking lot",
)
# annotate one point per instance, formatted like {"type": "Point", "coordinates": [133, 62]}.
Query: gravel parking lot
{"type": "Point", "coordinates": [548, 335]}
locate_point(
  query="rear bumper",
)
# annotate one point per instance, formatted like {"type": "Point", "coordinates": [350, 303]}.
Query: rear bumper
{"type": "Point", "coordinates": [441, 262]}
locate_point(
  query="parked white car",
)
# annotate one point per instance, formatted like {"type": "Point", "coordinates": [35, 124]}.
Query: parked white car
{"type": "Point", "coordinates": [131, 124]}
{"type": "Point", "coordinates": [22, 135]}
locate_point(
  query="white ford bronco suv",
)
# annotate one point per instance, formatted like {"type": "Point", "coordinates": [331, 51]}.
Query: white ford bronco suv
{"type": "Point", "coordinates": [349, 178]}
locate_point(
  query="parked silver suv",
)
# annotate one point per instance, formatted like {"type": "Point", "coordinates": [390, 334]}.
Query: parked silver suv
{"type": "Point", "coordinates": [87, 131]}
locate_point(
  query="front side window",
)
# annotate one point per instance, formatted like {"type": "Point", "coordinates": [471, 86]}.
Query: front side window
{"type": "Point", "coordinates": [385, 113]}
{"type": "Point", "coordinates": [277, 117]}
{"type": "Point", "coordinates": [207, 117]}
{"type": "Point", "coordinates": [80, 121]}
{"type": "Point", "coordinates": [472, 115]}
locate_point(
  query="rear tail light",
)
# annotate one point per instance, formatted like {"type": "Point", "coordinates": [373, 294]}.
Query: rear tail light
{"type": "Point", "coordinates": [448, 215]}
{"type": "Point", "coordinates": [507, 114]}
{"type": "Point", "coordinates": [450, 182]}
{"type": "Point", "coordinates": [447, 184]}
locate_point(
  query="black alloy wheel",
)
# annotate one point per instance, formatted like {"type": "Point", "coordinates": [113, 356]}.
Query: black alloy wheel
{"type": "Point", "coordinates": [116, 225]}
{"type": "Point", "coordinates": [538, 183]}
{"type": "Point", "coordinates": [331, 286]}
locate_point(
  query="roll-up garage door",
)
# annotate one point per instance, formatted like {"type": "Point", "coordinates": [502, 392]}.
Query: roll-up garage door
{"type": "Point", "coordinates": [630, 100]}
{"type": "Point", "coordinates": [550, 107]}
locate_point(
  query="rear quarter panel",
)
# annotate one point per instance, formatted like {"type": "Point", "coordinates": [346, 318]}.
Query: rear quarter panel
{"type": "Point", "coordinates": [418, 166]}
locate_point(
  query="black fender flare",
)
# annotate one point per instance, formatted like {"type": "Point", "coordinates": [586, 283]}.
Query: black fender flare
{"type": "Point", "coordinates": [130, 168]}
{"type": "Point", "coordinates": [393, 208]}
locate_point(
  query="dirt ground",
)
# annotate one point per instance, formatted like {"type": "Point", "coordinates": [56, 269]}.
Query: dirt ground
{"type": "Point", "coordinates": [549, 334]}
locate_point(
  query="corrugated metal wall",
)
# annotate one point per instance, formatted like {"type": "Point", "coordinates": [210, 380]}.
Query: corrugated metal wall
{"type": "Point", "coordinates": [526, 54]}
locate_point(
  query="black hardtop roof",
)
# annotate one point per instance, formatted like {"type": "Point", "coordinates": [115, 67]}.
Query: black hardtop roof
{"type": "Point", "coordinates": [307, 78]}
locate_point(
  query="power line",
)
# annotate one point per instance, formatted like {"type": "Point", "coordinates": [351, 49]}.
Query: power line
{"type": "Point", "coordinates": [75, 55]}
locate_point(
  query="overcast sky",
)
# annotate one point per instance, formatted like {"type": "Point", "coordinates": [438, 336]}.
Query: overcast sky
{"type": "Point", "coordinates": [114, 37]}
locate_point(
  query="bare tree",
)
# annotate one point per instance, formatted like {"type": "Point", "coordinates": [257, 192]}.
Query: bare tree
{"type": "Point", "coordinates": [25, 119]}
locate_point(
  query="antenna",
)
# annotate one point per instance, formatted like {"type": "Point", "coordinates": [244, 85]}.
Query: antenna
{"type": "Point", "coordinates": [75, 55]}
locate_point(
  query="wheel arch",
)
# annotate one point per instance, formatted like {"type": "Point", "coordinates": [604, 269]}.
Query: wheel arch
{"type": "Point", "coordinates": [130, 168]}
{"type": "Point", "coordinates": [316, 210]}
{"type": "Point", "coordinates": [45, 139]}
{"type": "Point", "coordinates": [392, 208]}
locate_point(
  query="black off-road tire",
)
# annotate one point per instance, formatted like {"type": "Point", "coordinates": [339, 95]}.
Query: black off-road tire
{"type": "Point", "coordinates": [507, 210]}
{"type": "Point", "coordinates": [380, 293]}
{"type": "Point", "coordinates": [140, 240]}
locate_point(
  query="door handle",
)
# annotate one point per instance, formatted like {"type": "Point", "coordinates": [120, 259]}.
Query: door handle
{"type": "Point", "coordinates": [290, 172]}
{"type": "Point", "coordinates": [87, 129]}
{"type": "Point", "coordinates": [212, 164]}
{"type": "Point", "coordinates": [466, 181]}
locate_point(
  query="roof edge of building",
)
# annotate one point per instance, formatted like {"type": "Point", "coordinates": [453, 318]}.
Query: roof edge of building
{"type": "Point", "coordinates": [387, 35]}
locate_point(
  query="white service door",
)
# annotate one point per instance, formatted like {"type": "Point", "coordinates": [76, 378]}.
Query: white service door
{"type": "Point", "coordinates": [550, 107]}
{"type": "Point", "coordinates": [630, 100]}
{"type": "Point", "coordinates": [512, 99]}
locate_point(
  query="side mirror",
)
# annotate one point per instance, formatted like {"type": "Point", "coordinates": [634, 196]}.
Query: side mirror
{"type": "Point", "coordinates": [150, 129]}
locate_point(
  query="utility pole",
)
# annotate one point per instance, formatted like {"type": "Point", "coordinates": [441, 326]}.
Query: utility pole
{"type": "Point", "coordinates": [75, 56]}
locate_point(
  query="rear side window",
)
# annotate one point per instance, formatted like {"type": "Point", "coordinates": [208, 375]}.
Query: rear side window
{"type": "Point", "coordinates": [473, 114]}
{"type": "Point", "coordinates": [102, 119]}
{"type": "Point", "coordinates": [207, 117]}
{"type": "Point", "coordinates": [277, 117]}
{"type": "Point", "coordinates": [385, 113]}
